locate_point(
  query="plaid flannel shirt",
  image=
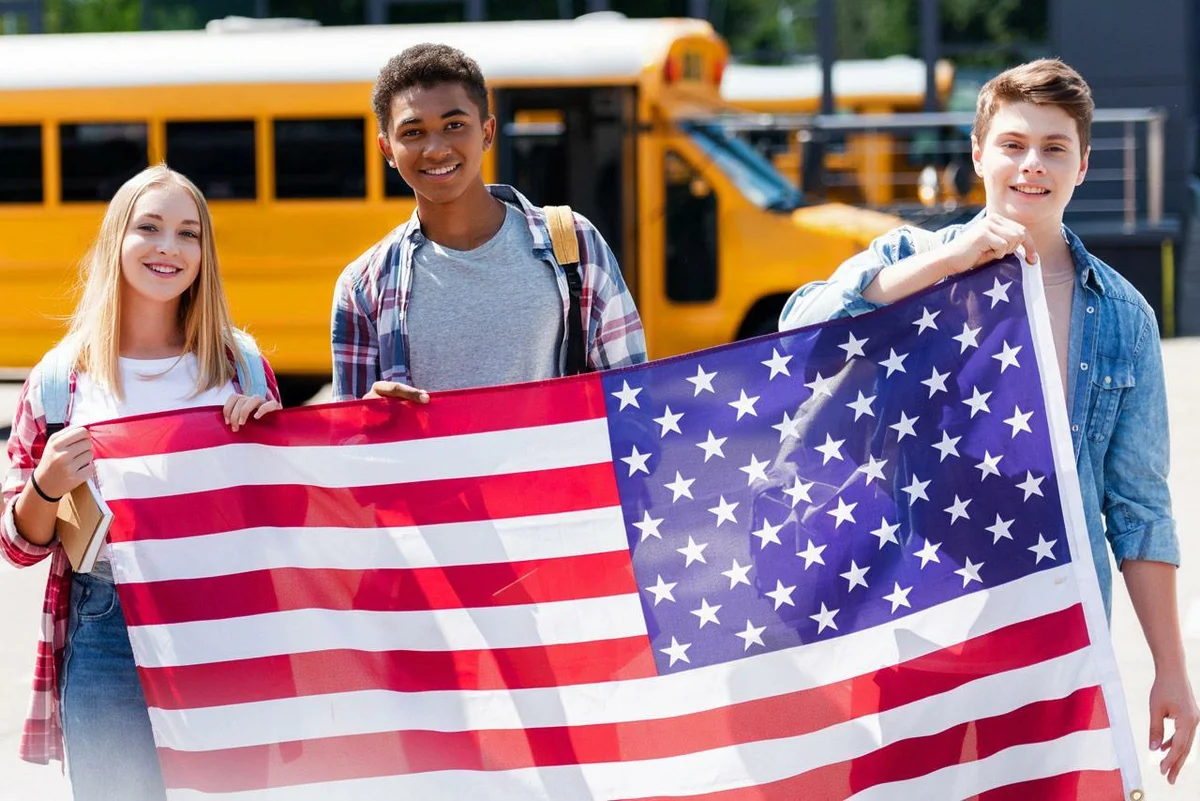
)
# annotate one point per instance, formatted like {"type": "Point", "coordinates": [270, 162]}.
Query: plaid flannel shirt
{"type": "Point", "coordinates": [41, 740]}
{"type": "Point", "coordinates": [370, 305]}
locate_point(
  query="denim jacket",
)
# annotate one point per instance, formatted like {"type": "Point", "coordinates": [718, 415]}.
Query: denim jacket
{"type": "Point", "coordinates": [1118, 401]}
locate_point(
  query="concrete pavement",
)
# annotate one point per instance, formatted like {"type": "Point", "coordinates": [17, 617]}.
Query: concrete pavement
{"type": "Point", "coordinates": [21, 592]}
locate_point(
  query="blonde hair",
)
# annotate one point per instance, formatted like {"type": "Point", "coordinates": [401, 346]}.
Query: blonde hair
{"type": "Point", "coordinates": [203, 310]}
{"type": "Point", "coordinates": [1045, 82]}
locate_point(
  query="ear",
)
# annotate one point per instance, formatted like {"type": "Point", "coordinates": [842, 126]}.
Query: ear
{"type": "Point", "coordinates": [385, 147]}
{"type": "Point", "coordinates": [1083, 166]}
{"type": "Point", "coordinates": [977, 156]}
{"type": "Point", "coordinates": [489, 132]}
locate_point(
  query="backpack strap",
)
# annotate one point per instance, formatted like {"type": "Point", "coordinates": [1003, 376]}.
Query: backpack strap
{"type": "Point", "coordinates": [252, 377]}
{"type": "Point", "coordinates": [56, 367]}
{"type": "Point", "coordinates": [566, 252]}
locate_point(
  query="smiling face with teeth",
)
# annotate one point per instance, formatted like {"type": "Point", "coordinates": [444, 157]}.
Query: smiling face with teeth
{"type": "Point", "coordinates": [161, 249]}
{"type": "Point", "coordinates": [436, 140]}
{"type": "Point", "coordinates": [1030, 161]}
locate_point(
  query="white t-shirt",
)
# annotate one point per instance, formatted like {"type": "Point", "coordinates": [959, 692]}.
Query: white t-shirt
{"type": "Point", "coordinates": [151, 385]}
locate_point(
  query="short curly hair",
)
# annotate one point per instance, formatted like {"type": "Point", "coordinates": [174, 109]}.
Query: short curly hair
{"type": "Point", "coordinates": [426, 66]}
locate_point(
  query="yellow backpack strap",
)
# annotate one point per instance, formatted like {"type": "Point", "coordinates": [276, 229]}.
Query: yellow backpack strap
{"type": "Point", "coordinates": [566, 252]}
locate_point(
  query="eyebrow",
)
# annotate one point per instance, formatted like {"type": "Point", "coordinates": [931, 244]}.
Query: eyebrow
{"type": "Point", "coordinates": [158, 217]}
{"type": "Point", "coordinates": [1063, 137]}
{"type": "Point", "coordinates": [454, 112]}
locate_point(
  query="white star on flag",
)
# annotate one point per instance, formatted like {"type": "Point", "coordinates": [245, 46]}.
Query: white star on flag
{"type": "Point", "coordinates": [998, 292]}
{"type": "Point", "coordinates": [707, 613]}
{"type": "Point", "coordinates": [820, 386]}
{"type": "Point", "coordinates": [1044, 549]}
{"type": "Point", "coordinates": [936, 382]}
{"type": "Point", "coordinates": [662, 590]}
{"type": "Point", "coordinates": [824, 619]}
{"type": "Point", "coordinates": [957, 510]}
{"type": "Point", "coordinates": [756, 470]}
{"type": "Point", "coordinates": [649, 526]}
{"type": "Point", "coordinates": [627, 396]}
{"type": "Point", "coordinates": [702, 381]}
{"type": "Point", "coordinates": [926, 321]}
{"type": "Point", "coordinates": [856, 576]}
{"type": "Point", "coordinates": [978, 402]}
{"type": "Point", "coordinates": [905, 426]}
{"type": "Point", "coordinates": [777, 363]}
{"type": "Point", "coordinates": [799, 492]}
{"type": "Point", "coordinates": [788, 427]}
{"type": "Point", "coordinates": [636, 462]}
{"type": "Point", "coordinates": [861, 406]}
{"type": "Point", "coordinates": [712, 446]}
{"type": "Point", "coordinates": [832, 449]}
{"type": "Point", "coordinates": [738, 574]}
{"type": "Point", "coordinates": [781, 595]}
{"type": "Point", "coordinates": [681, 487]}
{"type": "Point", "coordinates": [886, 532]}
{"type": "Point", "coordinates": [752, 635]}
{"type": "Point", "coordinates": [1000, 530]}
{"type": "Point", "coordinates": [677, 651]}
{"type": "Point", "coordinates": [1019, 422]}
{"type": "Point", "coordinates": [898, 597]}
{"type": "Point", "coordinates": [969, 572]}
{"type": "Point", "coordinates": [853, 347]}
{"type": "Point", "coordinates": [1007, 357]}
{"type": "Point", "coordinates": [693, 552]}
{"type": "Point", "coordinates": [812, 554]}
{"type": "Point", "coordinates": [1031, 486]}
{"type": "Point", "coordinates": [928, 553]}
{"type": "Point", "coordinates": [768, 533]}
{"type": "Point", "coordinates": [916, 490]}
{"type": "Point", "coordinates": [669, 422]}
{"type": "Point", "coordinates": [948, 446]}
{"type": "Point", "coordinates": [969, 338]}
{"type": "Point", "coordinates": [745, 405]}
{"type": "Point", "coordinates": [988, 467]}
{"type": "Point", "coordinates": [874, 470]}
{"type": "Point", "coordinates": [724, 511]}
{"type": "Point", "coordinates": [894, 362]}
{"type": "Point", "coordinates": [844, 512]}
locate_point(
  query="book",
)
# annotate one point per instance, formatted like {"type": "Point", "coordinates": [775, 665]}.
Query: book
{"type": "Point", "coordinates": [83, 521]}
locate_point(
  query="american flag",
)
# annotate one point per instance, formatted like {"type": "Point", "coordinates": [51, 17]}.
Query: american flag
{"type": "Point", "coordinates": [842, 562]}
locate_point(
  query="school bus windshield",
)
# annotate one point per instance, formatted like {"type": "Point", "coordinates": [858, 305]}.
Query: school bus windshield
{"type": "Point", "coordinates": [753, 175]}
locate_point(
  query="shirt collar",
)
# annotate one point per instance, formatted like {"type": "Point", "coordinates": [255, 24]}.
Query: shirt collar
{"type": "Point", "coordinates": [1084, 261]}
{"type": "Point", "coordinates": [535, 217]}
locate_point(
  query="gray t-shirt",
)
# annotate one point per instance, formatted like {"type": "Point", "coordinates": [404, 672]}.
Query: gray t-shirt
{"type": "Point", "coordinates": [484, 317]}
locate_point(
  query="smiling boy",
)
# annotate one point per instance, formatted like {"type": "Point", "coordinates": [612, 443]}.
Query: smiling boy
{"type": "Point", "coordinates": [466, 292]}
{"type": "Point", "coordinates": [1030, 146]}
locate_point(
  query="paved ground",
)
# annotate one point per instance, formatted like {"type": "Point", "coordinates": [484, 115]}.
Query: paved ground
{"type": "Point", "coordinates": [20, 598]}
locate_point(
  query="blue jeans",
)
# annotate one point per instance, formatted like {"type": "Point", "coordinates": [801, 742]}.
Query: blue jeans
{"type": "Point", "coordinates": [110, 749]}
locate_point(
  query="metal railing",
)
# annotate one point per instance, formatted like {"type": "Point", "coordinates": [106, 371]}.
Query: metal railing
{"type": "Point", "coordinates": [1119, 183]}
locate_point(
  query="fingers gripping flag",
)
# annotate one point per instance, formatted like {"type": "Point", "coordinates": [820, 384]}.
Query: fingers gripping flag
{"type": "Point", "coordinates": [843, 562]}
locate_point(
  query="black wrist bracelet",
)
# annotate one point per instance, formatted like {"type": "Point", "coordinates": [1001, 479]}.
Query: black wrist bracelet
{"type": "Point", "coordinates": [40, 491]}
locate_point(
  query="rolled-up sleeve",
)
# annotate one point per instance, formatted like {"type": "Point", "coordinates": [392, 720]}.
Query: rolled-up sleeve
{"type": "Point", "coordinates": [26, 442]}
{"type": "Point", "coordinates": [1137, 499]}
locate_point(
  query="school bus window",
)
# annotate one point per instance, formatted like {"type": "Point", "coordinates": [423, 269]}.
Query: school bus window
{"type": "Point", "coordinates": [691, 233]}
{"type": "Point", "coordinates": [98, 157]}
{"type": "Point", "coordinates": [320, 159]}
{"type": "Point", "coordinates": [393, 184]}
{"type": "Point", "coordinates": [20, 164]}
{"type": "Point", "coordinates": [218, 156]}
{"type": "Point", "coordinates": [754, 176]}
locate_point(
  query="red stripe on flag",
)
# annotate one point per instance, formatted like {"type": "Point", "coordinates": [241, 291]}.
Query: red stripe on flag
{"type": "Point", "coordinates": [393, 590]}
{"type": "Point", "coordinates": [343, 671]}
{"type": "Point", "coordinates": [360, 422]}
{"type": "Point", "coordinates": [1084, 785]}
{"type": "Point", "coordinates": [456, 500]}
{"type": "Point", "coordinates": [1015, 646]}
{"type": "Point", "coordinates": [1038, 722]}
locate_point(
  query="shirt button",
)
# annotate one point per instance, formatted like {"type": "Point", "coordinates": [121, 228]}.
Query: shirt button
{"type": "Point", "coordinates": [1091, 309]}
{"type": "Point", "coordinates": [1075, 428]}
{"type": "Point", "coordinates": [1108, 379]}
{"type": "Point", "coordinates": [1083, 366]}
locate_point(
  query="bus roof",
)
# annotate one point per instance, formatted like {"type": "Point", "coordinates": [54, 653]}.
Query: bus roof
{"type": "Point", "coordinates": [897, 77]}
{"type": "Point", "coordinates": [601, 46]}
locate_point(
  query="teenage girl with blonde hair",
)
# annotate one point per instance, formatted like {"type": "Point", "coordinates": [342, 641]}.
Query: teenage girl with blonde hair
{"type": "Point", "coordinates": [152, 332]}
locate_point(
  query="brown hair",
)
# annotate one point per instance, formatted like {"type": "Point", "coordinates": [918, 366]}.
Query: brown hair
{"type": "Point", "coordinates": [426, 66]}
{"type": "Point", "coordinates": [1045, 82]}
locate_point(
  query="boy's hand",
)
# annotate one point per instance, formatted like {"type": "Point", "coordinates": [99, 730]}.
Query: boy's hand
{"type": "Point", "coordinates": [239, 407]}
{"type": "Point", "coordinates": [394, 389]}
{"type": "Point", "coordinates": [66, 461]}
{"type": "Point", "coordinates": [1171, 697]}
{"type": "Point", "coordinates": [990, 238]}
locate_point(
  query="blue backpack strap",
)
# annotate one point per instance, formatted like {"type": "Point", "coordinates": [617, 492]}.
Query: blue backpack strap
{"type": "Point", "coordinates": [56, 368]}
{"type": "Point", "coordinates": [253, 376]}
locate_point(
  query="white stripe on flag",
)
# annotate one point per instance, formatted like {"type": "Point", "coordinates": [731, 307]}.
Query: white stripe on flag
{"type": "Point", "coordinates": [443, 545]}
{"type": "Point", "coordinates": [1077, 751]}
{"type": "Point", "coordinates": [683, 693]}
{"type": "Point", "coordinates": [307, 630]}
{"type": "Point", "coordinates": [727, 768]}
{"type": "Point", "coordinates": [488, 454]}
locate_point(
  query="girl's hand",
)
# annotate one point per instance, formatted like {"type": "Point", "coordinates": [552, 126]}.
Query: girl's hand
{"type": "Point", "coordinates": [239, 408]}
{"type": "Point", "coordinates": [66, 461]}
{"type": "Point", "coordinates": [1171, 697]}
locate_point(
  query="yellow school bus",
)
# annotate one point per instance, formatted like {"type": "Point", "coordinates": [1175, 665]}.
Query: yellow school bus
{"type": "Point", "coordinates": [610, 115]}
{"type": "Point", "coordinates": [874, 167]}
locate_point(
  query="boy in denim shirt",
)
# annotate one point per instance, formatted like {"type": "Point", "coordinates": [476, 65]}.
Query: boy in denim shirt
{"type": "Point", "coordinates": [1030, 146]}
